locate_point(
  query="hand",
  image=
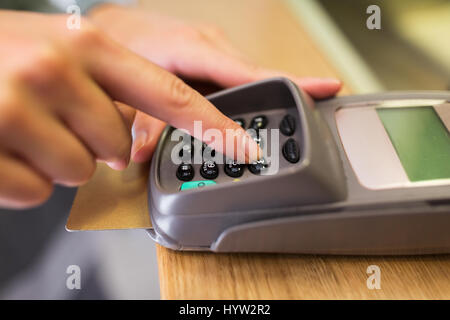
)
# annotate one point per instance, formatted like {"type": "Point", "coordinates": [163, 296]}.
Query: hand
{"type": "Point", "coordinates": [58, 114]}
{"type": "Point", "coordinates": [198, 52]}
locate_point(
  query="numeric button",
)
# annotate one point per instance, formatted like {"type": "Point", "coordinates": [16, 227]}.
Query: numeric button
{"type": "Point", "coordinates": [185, 172]}
{"type": "Point", "coordinates": [287, 125]}
{"type": "Point", "coordinates": [240, 122]}
{"type": "Point", "coordinates": [209, 170]}
{"type": "Point", "coordinates": [234, 169]}
{"type": "Point", "coordinates": [207, 151]}
{"type": "Point", "coordinates": [291, 151]}
{"type": "Point", "coordinates": [257, 166]}
{"type": "Point", "coordinates": [258, 122]}
{"type": "Point", "coordinates": [186, 151]}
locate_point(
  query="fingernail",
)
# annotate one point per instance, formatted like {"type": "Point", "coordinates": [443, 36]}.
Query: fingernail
{"type": "Point", "coordinates": [333, 80]}
{"type": "Point", "coordinates": [118, 165]}
{"type": "Point", "coordinates": [252, 150]}
{"type": "Point", "coordinates": [139, 142]}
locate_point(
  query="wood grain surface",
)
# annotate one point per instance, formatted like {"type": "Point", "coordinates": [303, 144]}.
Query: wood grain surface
{"type": "Point", "coordinates": [268, 34]}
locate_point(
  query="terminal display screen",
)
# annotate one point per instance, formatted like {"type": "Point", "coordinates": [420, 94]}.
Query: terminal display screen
{"type": "Point", "coordinates": [421, 140]}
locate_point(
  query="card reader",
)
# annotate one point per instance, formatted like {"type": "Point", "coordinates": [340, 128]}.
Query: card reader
{"type": "Point", "coordinates": [363, 174]}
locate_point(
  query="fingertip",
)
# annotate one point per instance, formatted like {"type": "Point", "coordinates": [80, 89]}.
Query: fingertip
{"type": "Point", "coordinates": [143, 153]}
{"type": "Point", "coordinates": [320, 88]}
{"type": "Point", "coordinates": [118, 165]}
{"type": "Point", "coordinates": [333, 85]}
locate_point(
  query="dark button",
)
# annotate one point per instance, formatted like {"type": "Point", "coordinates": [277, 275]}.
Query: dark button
{"type": "Point", "coordinates": [185, 172]}
{"type": "Point", "coordinates": [257, 166]}
{"type": "Point", "coordinates": [258, 122]}
{"type": "Point", "coordinates": [186, 151]}
{"type": "Point", "coordinates": [256, 137]}
{"type": "Point", "coordinates": [240, 122]}
{"type": "Point", "coordinates": [287, 125]}
{"type": "Point", "coordinates": [209, 170]}
{"type": "Point", "coordinates": [291, 151]}
{"type": "Point", "coordinates": [207, 150]}
{"type": "Point", "coordinates": [234, 169]}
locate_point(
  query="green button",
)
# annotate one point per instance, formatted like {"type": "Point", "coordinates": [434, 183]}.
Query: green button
{"type": "Point", "coordinates": [196, 184]}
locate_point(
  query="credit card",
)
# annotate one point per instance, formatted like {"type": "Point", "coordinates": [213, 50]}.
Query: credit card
{"type": "Point", "coordinates": [112, 200]}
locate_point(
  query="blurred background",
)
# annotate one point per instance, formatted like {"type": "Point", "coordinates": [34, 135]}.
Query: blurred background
{"type": "Point", "coordinates": [410, 52]}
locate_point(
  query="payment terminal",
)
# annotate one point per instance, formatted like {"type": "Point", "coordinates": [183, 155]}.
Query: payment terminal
{"type": "Point", "coordinates": [364, 174]}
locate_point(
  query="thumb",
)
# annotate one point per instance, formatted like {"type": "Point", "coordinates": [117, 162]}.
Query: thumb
{"type": "Point", "coordinates": [146, 132]}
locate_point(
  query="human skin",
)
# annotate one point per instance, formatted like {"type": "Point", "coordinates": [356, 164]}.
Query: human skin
{"type": "Point", "coordinates": [195, 51]}
{"type": "Point", "coordinates": [68, 98]}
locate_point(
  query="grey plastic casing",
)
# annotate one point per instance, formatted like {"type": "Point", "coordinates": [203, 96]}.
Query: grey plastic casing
{"type": "Point", "coordinates": [314, 206]}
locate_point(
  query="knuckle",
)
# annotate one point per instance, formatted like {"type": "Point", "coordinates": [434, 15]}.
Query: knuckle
{"type": "Point", "coordinates": [191, 33]}
{"type": "Point", "coordinates": [43, 67]}
{"type": "Point", "coordinates": [82, 170]}
{"type": "Point", "coordinates": [82, 177]}
{"type": "Point", "coordinates": [87, 172]}
{"type": "Point", "coordinates": [118, 150]}
{"type": "Point", "coordinates": [180, 95]}
{"type": "Point", "coordinates": [215, 30]}
{"type": "Point", "coordinates": [11, 114]}
{"type": "Point", "coordinates": [37, 194]}
{"type": "Point", "coordinates": [73, 163]}
{"type": "Point", "coordinates": [86, 36]}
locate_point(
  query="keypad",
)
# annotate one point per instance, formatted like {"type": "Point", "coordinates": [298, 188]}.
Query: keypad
{"type": "Point", "coordinates": [209, 169]}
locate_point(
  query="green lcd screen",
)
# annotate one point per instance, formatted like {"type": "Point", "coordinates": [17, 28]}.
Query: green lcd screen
{"type": "Point", "coordinates": [421, 140]}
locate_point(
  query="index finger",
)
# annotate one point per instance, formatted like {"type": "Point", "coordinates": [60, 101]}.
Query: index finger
{"type": "Point", "coordinates": [133, 80]}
